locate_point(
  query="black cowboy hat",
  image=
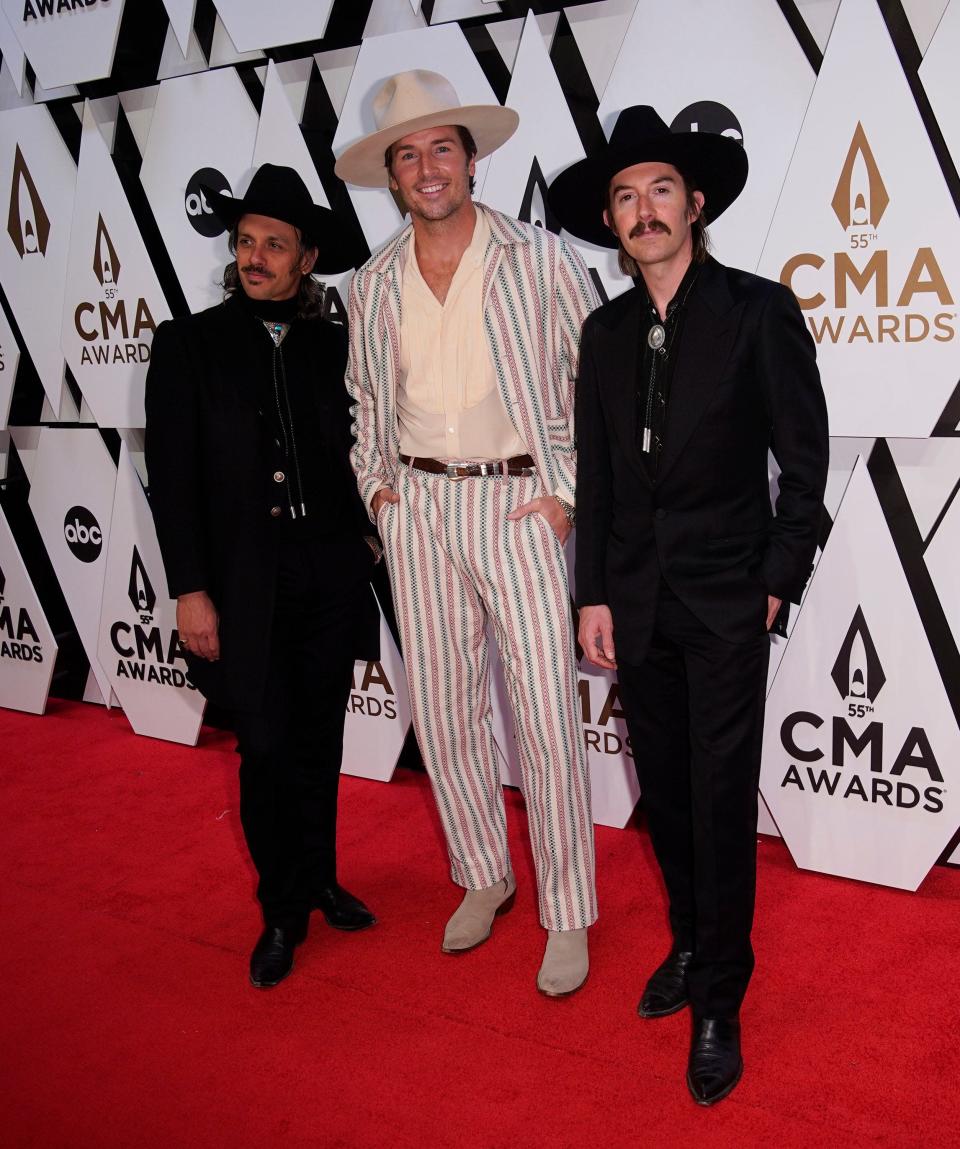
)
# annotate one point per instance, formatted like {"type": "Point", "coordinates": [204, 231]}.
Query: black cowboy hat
{"type": "Point", "coordinates": [280, 193]}
{"type": "Point", "coordinates": [716, 165]}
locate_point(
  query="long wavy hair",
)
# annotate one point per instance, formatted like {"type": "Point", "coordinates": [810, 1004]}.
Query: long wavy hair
{"type": "Point", "coordinates": [311, 295]}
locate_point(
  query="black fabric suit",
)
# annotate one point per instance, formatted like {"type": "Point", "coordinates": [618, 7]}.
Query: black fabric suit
{"type": "Point", "coordinates": [685, 562]}
{"type": "Point", "coordinates": [293, 598]}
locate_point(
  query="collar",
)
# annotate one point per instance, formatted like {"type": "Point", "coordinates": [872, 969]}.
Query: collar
{"type": "Point", "coordinates": [504, 231]}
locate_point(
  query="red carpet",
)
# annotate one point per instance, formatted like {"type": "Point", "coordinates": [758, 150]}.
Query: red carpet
{"type": "Point", "coordinates": [127, 1019]}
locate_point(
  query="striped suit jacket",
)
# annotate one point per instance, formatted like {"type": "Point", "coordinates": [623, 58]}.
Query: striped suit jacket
{"type": "Point", "coordinates": [537, 293]}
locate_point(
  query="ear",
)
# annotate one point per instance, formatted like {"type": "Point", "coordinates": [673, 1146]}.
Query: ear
{"type": "Point", "coordinates": [608, 221]}
{"type": "Point", "coordinates": [309, 259]}
{"type": "Point", "coordinates": [472, 167]}
{"type": "Point", "coordinates": [698, 201]}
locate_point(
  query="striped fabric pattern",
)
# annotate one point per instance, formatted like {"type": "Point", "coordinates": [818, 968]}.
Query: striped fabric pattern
{"type": "Point", "coordinates": [455, 561]}
{"type": "Point", "coordinates": [537, 293]}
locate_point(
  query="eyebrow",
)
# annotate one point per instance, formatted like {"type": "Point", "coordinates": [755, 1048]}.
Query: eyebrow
{"type": "Point", "coordinates": [432, 144]}
{"type": "Point", "coordinates": [666, 178]}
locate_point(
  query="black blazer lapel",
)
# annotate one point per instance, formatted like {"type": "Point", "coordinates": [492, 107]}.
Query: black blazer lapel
{"type": "Point", "coordinates": [618, 372]}
{"type": "Point", "coordinates": [709, 331]}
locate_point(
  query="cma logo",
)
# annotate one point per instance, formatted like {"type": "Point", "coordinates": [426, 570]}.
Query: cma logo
{"type": "Point", "coordinates": [195, 204]}
{"type": "Point", "coordinates": [145, 656]}
{"type": "Point", "coordinates": [37, 9]}
{"type": "Point", "coordinates": [83, 534]}
{"type": "Point", "coordinates": [111, 332]}
{"type": "Point", "coordinates": [106, 262]}
{"type": "Point", "coordinates": [28, 224]}
{"type": "Point", "coordinates": [860, 200]}
{"type": "Point", "coordinates": [857, 673]}
{"type": "Point", "coordinates": [877, 779]}
{"type": "Point", "coordinates": [140, 591]}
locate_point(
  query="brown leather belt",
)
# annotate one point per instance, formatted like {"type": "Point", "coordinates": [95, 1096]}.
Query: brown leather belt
{"type": "Point", "coordinates": [518, 465]}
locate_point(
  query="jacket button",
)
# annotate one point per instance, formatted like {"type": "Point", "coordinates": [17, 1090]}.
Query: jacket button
{"type": "Point", "coordinates": [278, 476]}
{"type": "Point", "coordinates": [276, 512]}
{"type": "Point", "coordinates": [659, 513]}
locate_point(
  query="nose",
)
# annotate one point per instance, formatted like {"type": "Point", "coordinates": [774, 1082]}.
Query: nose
{"type": "Point", "coordinates": [645, 207]}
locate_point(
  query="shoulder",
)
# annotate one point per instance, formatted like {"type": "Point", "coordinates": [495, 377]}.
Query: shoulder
{"type": "Point", "coordinates": [612, 313]}
{"type": "Point", "coordinates": [746, 287]}
{"type": "Point", "coordinates": [199, 323]}
{"type": "Point", "coordinates": [381, 259]}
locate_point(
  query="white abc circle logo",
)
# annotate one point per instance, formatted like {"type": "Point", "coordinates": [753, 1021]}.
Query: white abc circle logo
{"type": "Point", "coordinates": [195, 203]}
{"type": "Point", "coordinates": [83, 534]}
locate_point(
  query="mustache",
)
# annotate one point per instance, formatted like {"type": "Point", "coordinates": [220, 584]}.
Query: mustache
{"type": "Point", "coordinates": [654, 225]}
{"type": "Point", "coordinates": [256, 269]}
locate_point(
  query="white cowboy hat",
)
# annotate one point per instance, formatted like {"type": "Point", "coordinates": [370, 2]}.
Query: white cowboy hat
{"type": "Point", "coordinates": [410, 102]}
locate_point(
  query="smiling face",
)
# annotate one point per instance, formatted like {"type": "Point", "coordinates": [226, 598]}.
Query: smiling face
{"type": "Point", "coordinates": [432, 171]}
{"type": "Point", "coordinates": [650, 212]}
{"type": "Point", "coordinates": [270, 260]}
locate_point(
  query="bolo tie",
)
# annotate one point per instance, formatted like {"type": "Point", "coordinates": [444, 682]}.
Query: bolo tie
{"type": "Point", "coordinates": [660, 340]}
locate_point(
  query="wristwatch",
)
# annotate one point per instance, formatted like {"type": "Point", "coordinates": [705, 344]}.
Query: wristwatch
{"type": "Point", "coordinates": [568, 509]}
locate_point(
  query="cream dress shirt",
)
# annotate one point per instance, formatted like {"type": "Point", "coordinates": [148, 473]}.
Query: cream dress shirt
{"type": "Point", "coordinates": [448, 402]}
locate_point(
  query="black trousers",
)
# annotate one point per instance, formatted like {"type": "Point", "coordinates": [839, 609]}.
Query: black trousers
{"type": "Point", "coordinates": [291, 747]}
{"type": "Point", "coordinates": [694, 709]}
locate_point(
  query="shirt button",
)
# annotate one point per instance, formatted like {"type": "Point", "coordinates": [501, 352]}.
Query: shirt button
{"type": "Point", "coordinates": [275, 512]}
{"type": "Point", "coordinates": [278, 476]}
{"type": "Point", "coordinates": [659, 513]}
{"type": "Point", "coordinates": [450, 431]}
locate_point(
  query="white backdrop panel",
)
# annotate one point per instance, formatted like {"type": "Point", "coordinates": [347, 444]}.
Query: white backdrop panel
{"type": "Point", "coordinates": [861, 752]}
{"type": "Point", "coordinates": [251, 27]}
{"type": "Point", "coordinates": [543, 145]}
{"type": "Point", "coordinates": [113, 301]}
{"type": "Point", "coordinates": [941, 79]}
{"type": "Point", "coordinates": [378, 714]}
{"type": "Point", "coordinates": [9, 361]}
{"type": "Point", "coordinates": [71, 497]}
{"type": "Point", "coordinates": [66, 43]}
{"type": "Point", "coordinates": [720, 94]}
{"type": "Point", "coordinates": [28, 650]}
{"type": "Point", "coordinates": [868, 237]}
{"type": "Point", "coordinates": [137, 644]}
{"type": "Point", "coordinates": [37, 168]}
{"type": "Point", "coordinates": [202, 131]}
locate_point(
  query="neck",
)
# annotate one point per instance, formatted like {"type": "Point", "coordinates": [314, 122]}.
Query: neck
{"type": "Point", "coordinates": [445, 240]}
{"type": "Point", "coordinates": [663, 279]}
{"type": "Point", "coordinates": [282, 310]}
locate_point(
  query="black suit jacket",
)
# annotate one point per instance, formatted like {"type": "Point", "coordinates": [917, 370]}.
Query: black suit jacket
{"type": "Point", "coordinates": [210, 460]}
{"type": "Point", "coordinates": [745, 381]}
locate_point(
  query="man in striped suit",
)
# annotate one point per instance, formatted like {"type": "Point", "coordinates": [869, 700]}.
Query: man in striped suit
{"type": "Point", "coordinates": [464, 340]}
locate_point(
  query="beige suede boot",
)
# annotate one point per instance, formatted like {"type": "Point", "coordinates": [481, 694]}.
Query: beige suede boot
{"type": "Point", "coordinates": [566, 963]}
{"type": "Point", "coordinates": [472, 922]}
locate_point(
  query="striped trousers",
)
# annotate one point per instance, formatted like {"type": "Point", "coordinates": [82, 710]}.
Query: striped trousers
{"type": "Point", "coordinates": [455, 562]}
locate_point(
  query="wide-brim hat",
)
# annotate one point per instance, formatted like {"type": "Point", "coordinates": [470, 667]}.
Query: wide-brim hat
{"type": "Point", "coordinates": [715, 165]}
{"type": "Point", "coordinates": [280, 193]}
{"type": "Point", "coordinates": [410, 102]}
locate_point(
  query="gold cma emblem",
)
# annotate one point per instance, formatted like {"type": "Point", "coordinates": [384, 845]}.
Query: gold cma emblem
{"type": "Point", "coordinates": [28, 224]}
{"type": "Point", "coordinates": [860, 198]}
{"type": "Point", "coordinates": [106, 262]}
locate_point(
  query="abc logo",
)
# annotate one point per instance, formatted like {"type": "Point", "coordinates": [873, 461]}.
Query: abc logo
{"type": "Point", "coordinates": [83, 535]}
{"type": "Point", "coordinates": [708, 116]}
{"type": "Point", "coordinates": [195, 203]}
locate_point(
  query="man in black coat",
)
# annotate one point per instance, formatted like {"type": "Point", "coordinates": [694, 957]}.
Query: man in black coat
{"type": "Point", "coordinates": [265, 541]}
{"type": "Point", "coordinates": [686, 382]}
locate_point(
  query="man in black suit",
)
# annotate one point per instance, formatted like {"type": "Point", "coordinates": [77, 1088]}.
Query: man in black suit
{"type": "Point", "coordinates": [264, 540]}
{"type": "Point", "coordinates": [686, 382]}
